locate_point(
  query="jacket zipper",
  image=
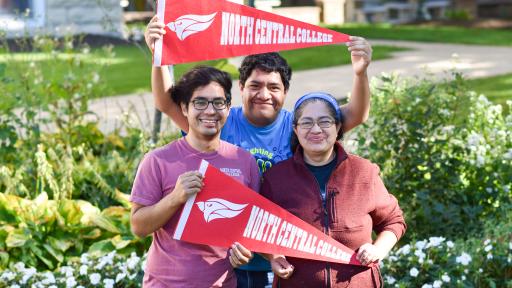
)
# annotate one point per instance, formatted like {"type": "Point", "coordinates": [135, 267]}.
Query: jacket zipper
{"type": "Point", "coordinates": [326, 213]}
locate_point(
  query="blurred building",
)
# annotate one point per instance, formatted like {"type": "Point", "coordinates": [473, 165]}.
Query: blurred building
{"type": "Point", "coordinates": [403, 11]}
{"type": "Point", "coordinates": [58, 17]}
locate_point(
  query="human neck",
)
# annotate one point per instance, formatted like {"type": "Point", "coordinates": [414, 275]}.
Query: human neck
{"type": "Point", "coordinates": [203, 144]}
{"type": "Point", "coordinates": [319, 159]}
{"type": "Point", "coordinates": [260, 122]}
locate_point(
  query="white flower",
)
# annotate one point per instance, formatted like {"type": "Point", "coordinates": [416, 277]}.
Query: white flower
{"type": "Point", "coordinates": [414, 272]}
{"type": "Point", "coordinates": [83, 270]}
{"type": "Point", "coordinates": [28, 273]}
{"type": "Point", "coordinates": [109, 283]}
{"type": "Point", "coordinates": [466, 271]}
{"type": "Point", "coordinates": [66, 270]}
{"type": "Point", "coordinates": [19, 266]}
{"type": "Point", "coordinates": [480, 270]}
{"type": "Point", "coordinates": [132, 262]}
{"type": "Point", "coordinates": [95, 77]}
{"type": "Point", "coordinates": [420, 254]}
{"type": "Point", "coordinates": [474, 139]}
{"type": "Point", "coordinates": [70, 282]}
{"type": "Point", "coordinates": [84, 259]}
{"type": "Point", "coordinates": [508, 155]}
{"type": "Point", "coordinates": [426, 286]}
{"type": "Point", "coordinates": [489, 256]}
{"type": "Point", "coordinates": [390, 280]}
{"type": "Point", "coordinates": [392, 258]}
{"type": "Point", "coordinates": [488, 248]}
{"type": "Point", "coordinates": [510, 245]}
{"type": "Point", "coordinates": [404, 249]}
{"type": "Point", "coordinates": [437, 284]}
{"type": "Point", "coordinates": [435, 241]}
{"type": "Point", "coordinates": [463, 259]}
{"type": "Point", "coordinates": [53, 286]}
{"type": "Point", "coordinates": [463, 277]}
{"type": "Point", "coordinates": [50, 279]}
{"type": "Point", "coordinates": [8, 275]}
{"type": "Point", "coordinates": [445, 278]}
{"type": "Point", "coordinates": [95, 278]}
{"type": "Point", "coordinates": [480, 161]}
{"type": "Point", "coordinates": [15, 286]}
{"type": "Point", "coordinates": [421, 244]}
{"type": "Point", "coordinates": [120, 277]}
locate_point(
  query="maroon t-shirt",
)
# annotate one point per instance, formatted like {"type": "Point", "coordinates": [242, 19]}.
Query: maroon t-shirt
{"type": "Point", "coordinates": [173, 263]}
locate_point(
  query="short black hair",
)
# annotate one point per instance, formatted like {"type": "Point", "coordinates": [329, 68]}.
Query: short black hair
{"type": "Point", "coordinates": [200, 76]}
{"type": "Point", "coordinates": [267, 62]}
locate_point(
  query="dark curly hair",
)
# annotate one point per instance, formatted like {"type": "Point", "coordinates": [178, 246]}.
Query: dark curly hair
{"type": "Point", "coordinates": [196, 77]}
{"type": "Point", "coordinates": [267, 62]}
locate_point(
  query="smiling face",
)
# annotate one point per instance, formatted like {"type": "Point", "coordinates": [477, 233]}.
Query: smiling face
{"type": "Point", "coordinates": [316, 140]}
{"type": "Point", "coordinates": [207, 123]}
{"type": "Point", "coordinates": [263, 97]}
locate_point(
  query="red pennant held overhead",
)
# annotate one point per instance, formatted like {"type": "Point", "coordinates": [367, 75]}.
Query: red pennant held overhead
{"type": "Point", "coordinates": [225, 211]}
{"type": "Point", "coordinates": [213, 29]}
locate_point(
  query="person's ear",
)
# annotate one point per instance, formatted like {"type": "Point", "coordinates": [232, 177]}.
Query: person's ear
{"type": "Point", "coordinates": [228, 109]}
{"type": "Point", "coordinates": [338, 127]}
{"type": "Point", "coordinates": [184, 109]}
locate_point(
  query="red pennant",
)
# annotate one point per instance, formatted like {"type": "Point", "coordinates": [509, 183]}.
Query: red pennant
{"type": "Point", "coordinates": [225, 211]}
{"type": "Point", "coordinates": [212, 29]}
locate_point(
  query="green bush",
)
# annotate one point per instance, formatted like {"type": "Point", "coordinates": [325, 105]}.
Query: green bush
{"type": "Point", "coordinates": [45, 233]}
{"type": "Point", "coordinates": [434, 262]}
{"type": "Point", "coordinates": [49, 139]}
{"type": "Point", "coordinates": [87, 270]}
{"type": "Point", "coordinates": [444, 151]}
{"type": "Point", "coordinates": [458, 15]}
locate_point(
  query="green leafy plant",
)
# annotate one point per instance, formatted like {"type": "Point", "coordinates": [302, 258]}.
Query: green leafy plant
{"type": "Point", "coordinates": [484, 261]}
{"type": "Point", "coordinates": [444, 151]}
{"type": "Point", "coordinates": [43, 233]}
{"type": "Point", "coordinates": [88, 270]}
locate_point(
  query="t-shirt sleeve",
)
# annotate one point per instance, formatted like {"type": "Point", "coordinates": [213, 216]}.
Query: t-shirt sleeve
{"type": "Point", "coordinates": [147, 186]}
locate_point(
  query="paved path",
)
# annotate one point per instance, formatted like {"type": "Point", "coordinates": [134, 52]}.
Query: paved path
{"type": "Point", "coordinates": [473, 61]}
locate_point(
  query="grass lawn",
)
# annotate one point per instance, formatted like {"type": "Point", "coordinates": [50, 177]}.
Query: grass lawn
{"type": "Point", "coordinates": [132, 74]}
{"type": "Point", "coordinates": [446, 34]}
{"type": "Point", "coordinates": [332, 55]}
{"type": "Point", "coordinates": [129, 71]}
{"type": "Point", "coordinates": [498, 88]}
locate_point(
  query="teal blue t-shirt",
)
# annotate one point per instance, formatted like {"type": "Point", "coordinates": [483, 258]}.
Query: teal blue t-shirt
{"type": "Point", "coordinates": [269, 145]}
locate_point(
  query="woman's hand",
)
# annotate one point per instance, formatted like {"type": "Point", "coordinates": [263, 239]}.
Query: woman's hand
{"type": "Point", "coordinates": [239, 255]}
{"type": "Point", "coordinates": [154, 31]}
{"type": "Point", "coordinates": [360, 53]}
{"type": "Point", "coordinates": [369, 253]}
{"type": "Point", "coordinates": [281, 267]}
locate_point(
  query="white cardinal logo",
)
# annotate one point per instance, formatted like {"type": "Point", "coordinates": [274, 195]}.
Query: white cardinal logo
{"type": "Point", "coordinates": [187, 25]}
{"type": "Point", "coordinates": [219, 208]}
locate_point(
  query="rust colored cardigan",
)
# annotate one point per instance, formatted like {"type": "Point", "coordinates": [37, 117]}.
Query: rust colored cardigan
{"type": "Point", "coordinates": [357, 203]}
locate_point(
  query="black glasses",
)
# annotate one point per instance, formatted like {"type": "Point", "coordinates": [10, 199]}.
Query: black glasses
{"type": "Point", "coordinates": [202, 104]}
{"type": "Point", "coordinates": [307, 124]}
